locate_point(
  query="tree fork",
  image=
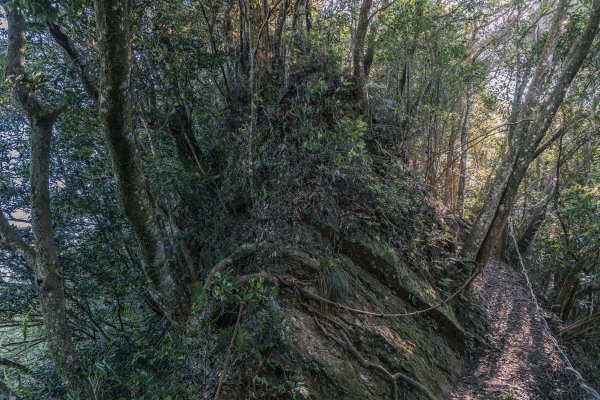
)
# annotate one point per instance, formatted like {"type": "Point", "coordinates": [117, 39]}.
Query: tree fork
{"type": "Point", "coordinates": [42, 257]}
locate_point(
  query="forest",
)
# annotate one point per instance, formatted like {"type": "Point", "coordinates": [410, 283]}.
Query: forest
{"type": "Point", "coordinates": [300, 199]}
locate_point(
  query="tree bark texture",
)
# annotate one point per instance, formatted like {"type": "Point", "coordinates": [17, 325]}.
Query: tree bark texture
{"type": "Point", "coordinates": [370, 53]}
{"type": "Point", "coordinates": [464, 137]}
{"type": "Point", "coordinates": [358, 55]}
{"type": "Point", "coordinates": [112, 20]}
{"type": "Point", "coordinates": [42, 257]}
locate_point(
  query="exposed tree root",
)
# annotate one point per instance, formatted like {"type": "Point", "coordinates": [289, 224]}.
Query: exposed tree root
{"type": "Point", "coordinates": [245, 250]}
{"type": "Point", "coordinates": [292, 282]}
{"type": "Point", "coordinates": [345, 342]}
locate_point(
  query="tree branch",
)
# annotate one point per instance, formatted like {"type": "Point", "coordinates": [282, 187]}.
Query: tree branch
{"type": "Point", "coordinates": [12, 364]}
{"type": "Point", "coordinates": [14, 241]}
{"type": "Point", "coordinates": [63, 41]}
{"type": "Point", "coordinates": [15, 67]}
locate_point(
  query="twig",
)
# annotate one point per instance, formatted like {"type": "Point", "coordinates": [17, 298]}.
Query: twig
{"type": "Point", "coordinates": [13, 364]}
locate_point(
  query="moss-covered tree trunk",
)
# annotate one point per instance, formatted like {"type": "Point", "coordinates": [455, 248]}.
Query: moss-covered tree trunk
{"type": "Point", "coordinates": [48, 271]}
{"type": "Point", "coordinates": [42, 257]}
{"type": "Point", "coordinates": [112, 20]}
{"type": "Point", "coordinates": [358, 55]}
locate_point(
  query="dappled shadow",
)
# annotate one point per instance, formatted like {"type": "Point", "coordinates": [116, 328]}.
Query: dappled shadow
{"type": "Point", "coordinates": [520, 362]}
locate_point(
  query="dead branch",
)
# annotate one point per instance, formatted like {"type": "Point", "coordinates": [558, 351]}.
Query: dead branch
{"type": "Point", "coordinates": [13, 364]}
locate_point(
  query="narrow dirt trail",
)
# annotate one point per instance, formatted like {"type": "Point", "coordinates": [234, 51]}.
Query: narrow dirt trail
{"type": "Point", "coordinates": [520, 362]}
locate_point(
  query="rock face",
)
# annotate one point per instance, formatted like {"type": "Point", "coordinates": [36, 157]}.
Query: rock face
{"type": "Point", "coordinates": [382, 261]}
{"type": "Point", "coordinates": [326, 343]}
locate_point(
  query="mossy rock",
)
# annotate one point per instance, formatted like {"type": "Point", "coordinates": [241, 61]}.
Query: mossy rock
{"type": "Point", "coordinates": [381, 260]}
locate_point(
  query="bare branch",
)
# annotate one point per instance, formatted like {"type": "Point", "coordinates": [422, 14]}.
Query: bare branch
{"type": "Point", "coordinates": [13, 364]}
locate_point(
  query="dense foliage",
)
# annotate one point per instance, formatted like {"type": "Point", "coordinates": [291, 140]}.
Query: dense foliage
{"type": "Point", "coordinates": [202, 150]}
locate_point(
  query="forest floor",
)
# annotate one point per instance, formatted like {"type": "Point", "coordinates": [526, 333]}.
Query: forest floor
{"type": "Point", "coordinates": [519, 361]}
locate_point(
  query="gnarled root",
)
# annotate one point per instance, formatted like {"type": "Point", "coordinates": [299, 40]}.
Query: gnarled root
{"type": "Point", "coordinates": [345, 342]}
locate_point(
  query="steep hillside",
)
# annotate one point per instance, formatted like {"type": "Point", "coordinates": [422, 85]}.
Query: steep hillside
{"type": "Point", "coordinates": [344, 247]}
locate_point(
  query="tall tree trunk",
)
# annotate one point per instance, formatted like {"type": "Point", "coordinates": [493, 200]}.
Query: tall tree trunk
{"type": "Point", "coordinates": [533, 224]}
{"type": "Point", "coordinates": [179, 121]}
{"type": "Point", "coordinates": [525, 144]}
{"type": "Point", "coordinates": [278, 33]}
{"type": "Point", "coordinates": [358, 56]}
{"type": "Point", "coordinates": [449, 180]}
{"type": "Point", "coordinates": [288, 50]}
{"type": "Point", "coordinates": [48, 271]}
{"type": "Point", "coordinates": [464, 138]}
{"type": "Point", "coordinates": [42, 257]}
{"type": "Point", "coordinates": [307, 15]}
{"type": "Point", "coordinates": [370, 53]}
{"type": "Point", "coordinates": [112, 19]}
{"type": "Point", "coordinates": [568, 286]}
{"type": "Point", "coordinates": [253, 21]}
